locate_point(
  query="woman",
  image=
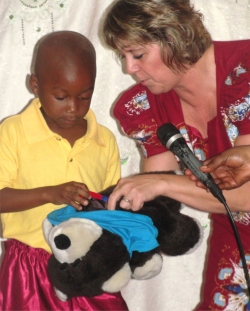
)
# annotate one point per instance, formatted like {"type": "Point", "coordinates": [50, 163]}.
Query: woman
{"type": "Point", "coordinates": [202, 87]}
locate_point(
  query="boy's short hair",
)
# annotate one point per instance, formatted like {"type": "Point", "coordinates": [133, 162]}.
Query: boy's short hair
{"type": "Point", "coordinates": [74, 44]}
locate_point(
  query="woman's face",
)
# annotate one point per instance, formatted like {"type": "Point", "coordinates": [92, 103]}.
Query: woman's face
{"type": "Point", "coordinates": [145, 64]}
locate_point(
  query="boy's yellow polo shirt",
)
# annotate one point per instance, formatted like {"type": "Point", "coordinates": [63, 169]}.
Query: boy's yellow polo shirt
{"type": "Point", "coordinates": [32, 156]}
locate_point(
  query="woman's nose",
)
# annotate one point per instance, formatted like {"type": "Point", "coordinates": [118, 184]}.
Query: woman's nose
{"type": "Point", "coordinates": [131, 66]}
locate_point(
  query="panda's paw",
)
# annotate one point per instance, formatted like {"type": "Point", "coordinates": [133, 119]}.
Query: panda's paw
{"type": "Point", "coordinates": [61, 295]}
{"type": "Point", "coordinates": [119, 280]}
{"type": "Point", "coordinates": [150, 269]}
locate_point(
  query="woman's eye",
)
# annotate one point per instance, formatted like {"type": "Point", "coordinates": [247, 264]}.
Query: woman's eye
{"type": "Point", "coordinates": [60, 98]}
{"type": "Point", "coordinates": [138, 56]}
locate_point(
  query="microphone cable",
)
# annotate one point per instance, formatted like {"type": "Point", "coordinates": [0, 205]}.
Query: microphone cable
{"type": "Point", "coordinates": [172, 139]}
{"type": "Point", "coordinates": [240, 247]}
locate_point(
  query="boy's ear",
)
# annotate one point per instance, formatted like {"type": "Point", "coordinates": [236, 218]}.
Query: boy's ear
{"type": "Point", "coordinates": [34, 84]}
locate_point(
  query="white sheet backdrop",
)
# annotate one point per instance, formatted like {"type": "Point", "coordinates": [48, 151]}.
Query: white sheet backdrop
{"type": "Point", "coordinates": [22, 23]}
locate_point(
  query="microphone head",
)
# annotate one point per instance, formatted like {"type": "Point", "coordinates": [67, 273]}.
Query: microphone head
{"type": "Point", "coordinates": [166, 131]}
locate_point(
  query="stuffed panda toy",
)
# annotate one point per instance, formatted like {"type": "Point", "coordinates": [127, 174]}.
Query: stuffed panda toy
{"type": "Point", "coordinates": [96, 250]}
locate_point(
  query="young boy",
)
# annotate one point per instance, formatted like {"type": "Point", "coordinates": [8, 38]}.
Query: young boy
{"type": "Point", "coordinates": [48, 153]}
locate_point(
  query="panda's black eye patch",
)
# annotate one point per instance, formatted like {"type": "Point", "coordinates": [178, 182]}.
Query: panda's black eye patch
{"type": "Point", "coordinates": [63, 266]}
{"type": "Point", "coordinates": [62, 241]}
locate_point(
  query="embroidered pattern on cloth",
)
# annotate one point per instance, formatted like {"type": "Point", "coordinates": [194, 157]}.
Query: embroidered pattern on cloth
{"type": "Point", "coordinates": [231, 291]}
{"type": "Point", "coordinates": [137, 104]}
{"type": "Point", "coordinates": [146, 131]}
{"type": "Point", "coordinates": [228, 297]}
{"type": "Point", "coordinates": [36, 16]}
{"type": "Point", "coordinates": [238, 110]}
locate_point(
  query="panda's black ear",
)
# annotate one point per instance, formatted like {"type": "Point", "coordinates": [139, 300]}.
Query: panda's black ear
{"type": "Point", "coordinates": [108, 190]}
{"type": "Point", "coordinates": [94, 205]}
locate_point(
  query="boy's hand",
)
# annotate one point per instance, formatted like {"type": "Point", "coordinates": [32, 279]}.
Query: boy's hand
{"type": "Point", "coordinates": [230, 169]}
{"type": "Point", "coordinates": [71, 193]}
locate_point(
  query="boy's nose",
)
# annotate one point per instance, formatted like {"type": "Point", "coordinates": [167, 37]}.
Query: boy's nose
{"type": "Point", "coordinates": [72, 106]}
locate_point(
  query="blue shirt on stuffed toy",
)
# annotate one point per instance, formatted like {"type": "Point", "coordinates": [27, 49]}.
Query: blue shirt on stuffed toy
{"type": "Point", "coordinates": [137, 232]}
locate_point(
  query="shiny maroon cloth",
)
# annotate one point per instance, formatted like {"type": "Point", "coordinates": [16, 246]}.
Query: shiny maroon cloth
{"type": "Point", "coordinates": [24, 285]}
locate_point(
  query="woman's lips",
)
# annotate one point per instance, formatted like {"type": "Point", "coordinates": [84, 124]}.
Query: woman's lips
{"type": "Point", "coordinates": [145, 82]}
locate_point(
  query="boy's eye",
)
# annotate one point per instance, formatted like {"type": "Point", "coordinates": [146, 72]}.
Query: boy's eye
{"type": "Point", "coordinates": [60, 98]}
{"type": "Point", "coordinates": [84, 98]}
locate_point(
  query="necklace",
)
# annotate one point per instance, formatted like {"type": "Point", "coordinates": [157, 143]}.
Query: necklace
{"type": "Point", "coordinates": [33, 6]}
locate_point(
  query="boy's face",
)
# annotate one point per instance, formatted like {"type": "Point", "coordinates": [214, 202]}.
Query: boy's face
{"type": "Point", "coordinates": [65, 93]}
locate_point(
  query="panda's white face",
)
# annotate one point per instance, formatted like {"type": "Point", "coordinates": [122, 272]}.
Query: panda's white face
{"type": "Point", "coordinates": [71, 243]}
{"type": "Point", "coordinates": [66, 240]}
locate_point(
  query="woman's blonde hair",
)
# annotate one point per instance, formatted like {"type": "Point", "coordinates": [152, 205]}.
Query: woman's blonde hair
{"type": "Point", "coordinates": [174, 24]}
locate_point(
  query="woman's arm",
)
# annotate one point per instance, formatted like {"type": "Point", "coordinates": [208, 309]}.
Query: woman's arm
{"type": "Point", "coordinates": [141, 188]}
{"type": "Point", "coordinates": [161, 162]}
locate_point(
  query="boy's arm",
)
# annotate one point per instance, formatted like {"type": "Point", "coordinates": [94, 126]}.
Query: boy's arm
{"type": "Point", "coordinates": [17, 200]}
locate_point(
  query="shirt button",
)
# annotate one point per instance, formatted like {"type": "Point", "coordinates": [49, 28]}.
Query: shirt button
{"type": "Point", "coordinates": [59, 139]}
{"type": "Point", "coordinates": [71, 160]}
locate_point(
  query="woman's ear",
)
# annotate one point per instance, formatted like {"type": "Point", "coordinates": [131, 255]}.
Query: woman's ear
{"type": "Point", "coordinates": [34, 84]}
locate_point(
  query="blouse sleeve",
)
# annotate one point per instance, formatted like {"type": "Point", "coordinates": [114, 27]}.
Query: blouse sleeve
{"type": "Point", "coordinates": [134, 113]}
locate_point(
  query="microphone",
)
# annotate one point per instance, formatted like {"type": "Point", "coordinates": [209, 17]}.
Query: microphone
{"type": "Point", "coordinates": [171, 138]}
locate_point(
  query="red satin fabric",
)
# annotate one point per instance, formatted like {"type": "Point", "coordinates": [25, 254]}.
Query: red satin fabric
{"type": "Point", "coordinates": [24, 285]}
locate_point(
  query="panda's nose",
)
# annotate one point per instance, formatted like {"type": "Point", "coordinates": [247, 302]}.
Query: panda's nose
{"type": "Point", "coordinates": [62, 241]}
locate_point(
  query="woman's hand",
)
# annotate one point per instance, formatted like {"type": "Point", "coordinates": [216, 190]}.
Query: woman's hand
{"type": "Point", "coordinates": [230, 169]}
{"type": "Point", "coordinates": [70, 193]}
{"type": "Point", "coordinates": [136, 190]}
